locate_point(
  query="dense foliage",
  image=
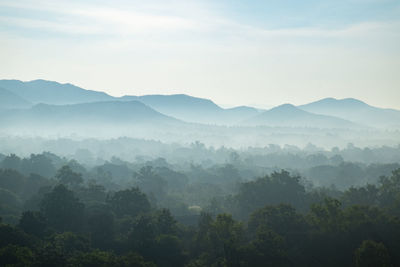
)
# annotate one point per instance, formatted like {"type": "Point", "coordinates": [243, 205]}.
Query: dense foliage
{"type": "Point", "coordinates": [57, 212]}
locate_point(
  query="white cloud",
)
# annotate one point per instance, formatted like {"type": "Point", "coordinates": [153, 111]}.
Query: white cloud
{"type": "Point", "coordinates": [167, 17]}
{"type": "Point", "coordinates": [89, 19]}
{"type": "Point", "coordinates": [68, 27]}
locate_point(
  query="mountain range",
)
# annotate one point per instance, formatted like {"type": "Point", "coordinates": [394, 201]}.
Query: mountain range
{"type": "Point", "coordinates": [288, 115]}
{"type": "Point", "coordinates": [52, 102]}
{"type": "Point", "coordinates": [355, 110]}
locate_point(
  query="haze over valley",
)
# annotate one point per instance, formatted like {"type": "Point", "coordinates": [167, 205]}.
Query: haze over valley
{"type": "Point", "coordinates": [200, 133]}
{"type": "Point", "coordinates": [42, 108]}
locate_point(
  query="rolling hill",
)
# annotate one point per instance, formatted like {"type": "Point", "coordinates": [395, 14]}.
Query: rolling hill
{"type": "Point", "coordinates": [110, 113]}
{"type": "Point", "coordinates": [10, 100]}
{"type": "Point", "coordinates": [180, 106]}
{"type": "Point", "coordinates": [194, 109]}
{"type": "Point", "coordinates": [288, 115]}
{"type": "Point", "coordinates": [16, 94]}
{"type": "Point", "coordinates": [48, 92]}
{"type": "Point", "coordinates": [356, 111]}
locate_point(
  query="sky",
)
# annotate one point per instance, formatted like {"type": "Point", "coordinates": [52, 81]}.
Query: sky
{"type": "Point", "coordinates": [237, 52]}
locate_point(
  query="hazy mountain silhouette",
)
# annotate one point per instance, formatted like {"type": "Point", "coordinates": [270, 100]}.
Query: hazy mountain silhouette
{"type": "Point", "coordinates": [11, 100]}
{"type": "Point", "coordinates": [108, 112]}
{"type": "Point", "coordinates": [288, 115]}
{"type": "Point", "coordinates": [356, 111]}
{"type": "Point", "coordinates": [183, 107]}
{"type": "Point", "coordinates": [194, 109]}
{"type": "Point", "coordinates": [17, 94]}
{"type": "Point", "coordinates": [48, 92]}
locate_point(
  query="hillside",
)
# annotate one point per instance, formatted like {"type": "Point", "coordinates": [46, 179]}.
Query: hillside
{"type": "Point", "coordinates": [49, 92]}
{"type": "Point", "coordinates": [104, 113]}
{"type": "Point", "coordinates": [194, 109]}
{"type": "Point", "coordinates": [11, 100]}
{"type": "Point", "coordinates": [288, 115]}
{"type": "Point", "coordinates": [356, 111]}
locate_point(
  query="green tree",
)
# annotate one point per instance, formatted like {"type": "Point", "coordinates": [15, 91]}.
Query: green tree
{"type": "Point", "coordinates": [277, 188]}
{"type": "Point", "coordinates": [219, 241]}
{"type": "Point", "coordinates": [151, 183]}
{"type": "Point", "coordinates": [33, 223]}
{"type": "Point", "coordinates": [12, 180]}
{"type": "Point", "coordinates": [267, 249]}
{"type": "Point", "coordinates": [62, 209]}
{"type": "Point", "coordinates": [95, 258]}
{"type": "Point", "coordinates": [68, 177]}
{"type": "Point", "coordinates": [39, 164]}
{"type": "Point", "coordinates": [101, 228]}
{"type": "Point", "coordinates": [372, 254]}
{"type": "Point", "coordinates": [129, 202]}
{"type": "Point", "coordinates": [11, 162]}
{"type": "Point", "coordinates": [17, 256]}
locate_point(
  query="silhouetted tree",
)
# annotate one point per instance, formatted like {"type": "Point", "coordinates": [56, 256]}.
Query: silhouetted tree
{"type": "Point", "coordinates": [129, 202]}
{"type": "Point", "coordinates": [62, 209]}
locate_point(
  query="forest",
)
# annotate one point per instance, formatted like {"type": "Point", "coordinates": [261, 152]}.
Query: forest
{"type": "Point", "coordinates": [272, 206]}
{"type": "Point", "coordinates": [200, 133]}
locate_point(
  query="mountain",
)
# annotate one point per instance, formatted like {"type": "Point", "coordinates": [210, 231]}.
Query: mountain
{"type": "Point", "coordinates": [48, 92]}
{"type": "Point", "coordinates": [194, 109]}
{"type": "Point", "coordinates": [11, 100]}
{"type": "Point", "coordinates": [356, 111]}
{"type": "Point", "coordinates": [183, 107]}
{"type": "Point", "coordinates": [109, 113]}
{"type": "Point", "coordinates": [17, 94]}
{"type": "Point", "coordinates": [288, 115]}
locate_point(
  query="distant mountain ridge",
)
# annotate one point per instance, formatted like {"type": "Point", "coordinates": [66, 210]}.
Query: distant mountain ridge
{"type": "Point", "coordinates": [194, 109]}
{"type": "Point", "coordinates": [325, 113]}
{"type": "Point", "coordinates": [287, 115]}
{"type": "Point", "coordinates": [180, 106]}
{"type": "Point", "coordinates": [96, 114]}
{"type": "Point", "coordinates": [49, 92]}
{"type": "Point", "coordinates": [11, 100]}
{"type": "Point", "coordinates": [356, 111]}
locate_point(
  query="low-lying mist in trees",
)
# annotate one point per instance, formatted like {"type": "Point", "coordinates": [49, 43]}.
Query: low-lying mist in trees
{"type": "Point", "coordinates": [199, 206]}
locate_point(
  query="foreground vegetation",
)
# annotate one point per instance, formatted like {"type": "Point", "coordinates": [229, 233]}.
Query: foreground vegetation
{"type": "Point", "coordinates": [61, 214]}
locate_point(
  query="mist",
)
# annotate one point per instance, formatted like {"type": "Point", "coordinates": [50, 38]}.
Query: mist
{"type": "Point", "coordinates": [176, 180]}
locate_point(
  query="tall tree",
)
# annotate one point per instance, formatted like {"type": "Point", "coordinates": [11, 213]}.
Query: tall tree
{"type": "Point", "coordinates": [62, 209]}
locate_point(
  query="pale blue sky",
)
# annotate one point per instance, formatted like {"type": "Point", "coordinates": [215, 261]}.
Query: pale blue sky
{"type": "Point", "coordinates": [261, 53]}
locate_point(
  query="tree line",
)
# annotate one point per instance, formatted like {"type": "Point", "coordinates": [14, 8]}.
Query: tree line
{"type": "Point", "coordinates": [274, 220]}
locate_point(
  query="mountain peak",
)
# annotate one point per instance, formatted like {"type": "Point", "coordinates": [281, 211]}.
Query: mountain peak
{"type": "Point", "coordinates": [285, 106]}
{"type": "Point", "coordinates": [337, 103]}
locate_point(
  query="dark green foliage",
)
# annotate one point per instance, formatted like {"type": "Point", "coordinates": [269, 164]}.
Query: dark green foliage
{"type": "Point", "coordinates": [270, 190]}
{"type": "Point", "coordinates": [218, 241]}
{"type": "Point", "coordinates": [390, 192]}
{"type": "Point", "coordinates": [9, 200]}
{"type": "Point", "coordinates": [101, 228]}
{"type": "Point", "coordinates": [68, 243]}
{"type": "Point", "coordinates": [33, 223]}
{"type": "Point", "coordinates": [48, 256]}
{"type": "Point", "coordinates": [129, 202]}
{"type": "Point", "coordinates": [275, 221]}
{"type": "Point", "coordinates": [67, 176]}
{"type": "Point", "coordinates": [372, 254]}
{"type": "Point", "coordinates": [12, 180]}
{"type": "Point", "coordinates": [367, 195]}
{"type": "Point", "coordinates": [12, 236]}
{"type": "Point", "coordinates": [151, 183]}
{"type": "Point", "coordinates": [33, 184]}
{"type": "Point", "coordinates": [267, 249]}
{"type": "Point", "coordinates": [62, 209]}
{"type": "Point", "coordinates": [17, 256]}
{"type": "Point", "coordinates": [11, 162]}
{"type": "Point", "coordinates": [94, 258]}
{"type": "Point", "coordinates": [38, 164]}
